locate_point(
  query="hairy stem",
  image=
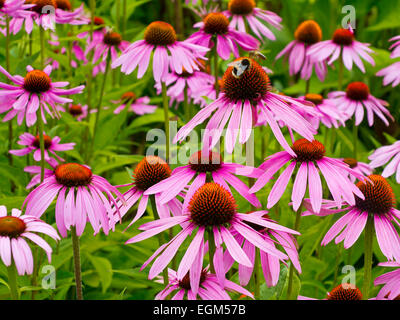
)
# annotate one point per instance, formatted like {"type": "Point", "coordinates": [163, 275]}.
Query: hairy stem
{"type": "Point", "coordinates": [77, 264]}
{"type": "Point", "coordinates": [368, 238]}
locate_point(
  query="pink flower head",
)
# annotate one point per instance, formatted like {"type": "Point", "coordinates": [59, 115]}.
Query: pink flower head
{"type": "Point", "coordinates": [327, 112]}
{"type": "Point", "coordinates": [139, 106]}
{"type": "Point", "coordinates": [342, 292]}
{"type": "Point", "coordinates": [14, 8]}
{"type": "Point", "coordinates": [270, 264]}
{"type": "Point", "coordinates": [80, 197]}
{"type": "Point", "coordinates": [199, 84]}
{"type": "Point", "coordinates": [342, 44]}
{"type": "Point", "coordinates": [360, 167]}
{"type": "Point", "coordinates": [379, 204]}
{"type": "Point", "coordinates": [78, 111]}
{"type": "Point", "coordinates": [391, 73]}
{"type": "Point", "coordinates": [51, 145]}
{"type": "Point", "coordinates": [391, 282]}
{"type": "Point", "coordinates": [241, 10]}
{"type": "Point", "coordinates": [149, 171]}
{"type": "Point", "coordinates": [357, 97]}
{"type": "Point", "coordinates": [169, 54]}
{"type": "Point", "coordinates": [34, 92]}
{"type": "Point", "coordinates": [215, 30]}
{"type": "Point", "coordinates": [245, 92]}
{"type": "Point", "coordinates": [36, 172]}
{"type": "Point", "coordinates": [310, 161]}
{"type": "Point", "coordinates": [200, 164]}
{"type": "Point", "coordinates": [107, 44]}
{"type": "Point", "coordinates": [388, 156]}
{"type": "Point", "coordinates": [65, 13]}
{"type": "Point", "coordinates": [14, 230]}
{"type": "Point", "coordinates": [307, 34]}
{"type": "Point", "coordinates": [212, 209]}
{"type": "Point", "coordinates": [208, 287]}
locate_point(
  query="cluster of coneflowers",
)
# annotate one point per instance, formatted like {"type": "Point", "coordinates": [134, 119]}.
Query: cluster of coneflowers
{"type": "Point", "coordinates": [200, 198]}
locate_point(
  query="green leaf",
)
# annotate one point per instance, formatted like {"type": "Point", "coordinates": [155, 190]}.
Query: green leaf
{"type": "Point", "coordinates": [104, 270]}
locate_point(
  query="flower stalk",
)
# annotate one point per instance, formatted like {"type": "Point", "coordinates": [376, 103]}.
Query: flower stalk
{"type": "Point", "coordinates": [166, 120]}
{"type": "Point", "coordinates": [77, 264]}
{"type": "Point", "coordinates": [12, 282]}
{"type": "Point", "coordinates": [368, 253]}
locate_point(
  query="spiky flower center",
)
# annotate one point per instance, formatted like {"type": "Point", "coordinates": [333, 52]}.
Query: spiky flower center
{"type": "Point", "coordinates": [216, 23]}
{"type": "Point", "coordinates": [160, 33]}
{"type": "Point", "coordinates": [251, 85]}
{"type": "Point", "coordinates": [351, 162]}
{"type": "Point", "coordinates": [358, 91]}
{"type": "Point", "coordinates": [98, 21]}
{"type": "Point", "coordinates": [314, 98]}
{"type": "Point", "coordinates": [128, 97]}
{"type": "Point", "coordinates": [37, 81]}
{"type": "Point", "coordinates": [308, 151]}
{"type": "Point", "coordinates": [343, 37]}
{"type": "Point", "coordinates": [11, 227]}
{"type": "Point", "coordinates": [242, 7]}
{"type": "Point", "coordinates": [212, 205]}
{"type": "Point", "coordinates": [2, 3]}
{"type": "Point", "coordinates": [185, 282]}
{"type": "Point", "coordinates": [73, 175]}
{"type": "Point", "coordinates": [345, 291]}
{"type": "Point", "coordinates": [379, 196]}
{"type": "Point", "coordinates": [64, 5]}
{"type": "Point", "coordinates": [75, 110]}
{"type": "Point", "coordinates": [308, 32]}
{"type": "Point", "coordinates": [47, 142]}
{"type": "Point", "coordinates": [150, 171]}
{"type": "Point", "coordinates": [40, 4]}
{"type": "Point", "coordinates": [210, 162]}
{"type": "Point", "coordinates": [112, 39]}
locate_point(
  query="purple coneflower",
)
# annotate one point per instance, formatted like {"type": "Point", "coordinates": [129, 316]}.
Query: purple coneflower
{"type": "Point", "coordinates": [78, 111]}
{"type": "Point", "coordinates": [148, 172]}
{"type": "Point", "coordinates": [391, 281]}
{"type": "Point", "coordinates": [360, 167]}
{"type": "Point", "coordinates": [357, 97]}
{"type": "Point", "coordinates": [208, 288]}
{"type": "Point", "coordinates": [200, 164]}
{"type": "Point", "coordinates": [65, 14]}
{"type": "Point", "coordinates": [51, 145]}
{"type": "Point", "coordinates": [14, 229]}
{"type": "Point", "coordinates": [306, 34]}
{"type": "Point", "coordinates": [139, 106]}
{"type": "Point", "coordinates": [212, 209]}
{"type": "Point", "coordinates": [270, 264]}
{"type": "Point", "coordinates": [215, 31]}
{"type": "Point", "coordinates": [391, 73]}
{"type": "Point", "coordinates": [169, 54]}
{"type": "Point", "coordinates": [246, 10]}
{"type": "Point", "coordinates": [344, 45]}
{"type": "Point", "coordinates": [80, 197]}
{"type": "Point", "coordinates": [343, 292]}
{"type": "Point", "coordinates": [328, 112]}
{"type": "Point", "coordinates": [34, 92]}
{"type": "Point", "coordinates": [310, 161]}
{"type": "Point", "coordinates": [383, 157]}
{"type": "Point", "coordinates": [378, 204]}
{"type": "Point", "coordinates": [245, 91]}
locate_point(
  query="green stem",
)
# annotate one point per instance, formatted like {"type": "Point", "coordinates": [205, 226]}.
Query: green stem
{"type": "Point", "coordinates": [292, 269]}
{"type": "Point", "coordinates": [355, 141]}
{"type": "Point", "coordinates": [368, 238]}
{"type": "Point", "coordinates": [160, 238]}
{"type": "Point", "coordinates": [216, 69]}
{"type": "Point", "coordinates": [99, 105]}
{"type": "Point", "coordinates": [10, 125]}
{"type": "Point", "coordinates": [179, 18]}
{"type": "Point", "coordinates": [40, 126]}
{"type": "Point", "coordinates": [211, 249]}
{"type": "Point", "coordinates": [77, 264]}
{"type": "Point", "coordinates": [340, 77]}
{"type": "Point", "coordinates": [186, 104]}
{"type": "Point", "coordinates": [42, 47]}
{"type": "Point", "coordinates": [166, 119]}
{"type": "Point", "coordinates": [308, 82]}
{"type": "Point", "coordinates": [12, 282]}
